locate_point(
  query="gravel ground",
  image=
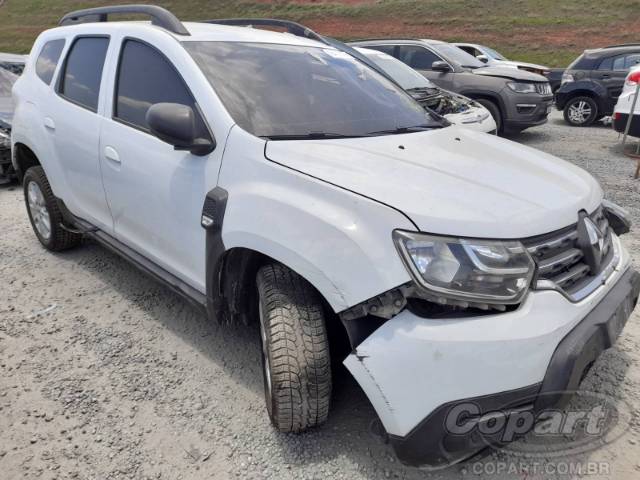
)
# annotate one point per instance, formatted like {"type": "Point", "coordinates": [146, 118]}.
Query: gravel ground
{"type": "Point", "coordinates": [105, 374]}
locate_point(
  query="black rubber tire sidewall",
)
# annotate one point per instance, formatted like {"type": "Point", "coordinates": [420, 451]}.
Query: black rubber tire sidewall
{"type": "Point", "coordinates": [59, 239]}
{"type": "Point", "coordinates": [495, 113]}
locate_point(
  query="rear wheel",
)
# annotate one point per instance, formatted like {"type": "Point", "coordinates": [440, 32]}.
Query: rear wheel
{"type": "Point", "coordinates": [295, 350]}
{"type": "Point", "coordinates": [494, 111]}
{"type": "Point", "coordinates": [581, 111]}
{"type": "Point", "coordinates": [44, 214]}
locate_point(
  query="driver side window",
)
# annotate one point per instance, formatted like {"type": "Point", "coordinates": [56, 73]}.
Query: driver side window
{"type": "Point", "coordinates": [145, 77]}
{"type": "Point", "coordinates": [417, 57]}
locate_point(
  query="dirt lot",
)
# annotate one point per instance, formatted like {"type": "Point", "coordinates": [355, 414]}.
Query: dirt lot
{"type": "Point", "coordinates": [105, 374]}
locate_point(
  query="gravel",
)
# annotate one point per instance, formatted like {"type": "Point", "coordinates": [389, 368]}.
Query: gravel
{"type": "Point", "coordinates": [106, 374]}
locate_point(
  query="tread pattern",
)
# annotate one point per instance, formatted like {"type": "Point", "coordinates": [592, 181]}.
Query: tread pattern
{"type": "Point", "coordinates": [60, 238]}
{"type": "Point", "coordinates": [298, 349]}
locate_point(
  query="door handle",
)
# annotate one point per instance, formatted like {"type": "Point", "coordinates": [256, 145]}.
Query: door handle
{"type": "Point", "coordinates": [111, 154]}
{"type": "Point", "coordinates": [49, 123]}
{"type": "Point", "coordinates": [605, 76]}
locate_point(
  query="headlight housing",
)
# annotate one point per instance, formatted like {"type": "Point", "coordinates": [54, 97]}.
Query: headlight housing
{"type": "Point", "coordinates": [483, 271]}
{"type": "Point", "coordinates": [566, 78]}
{"type": "Point", "coordinates": [522, 87]}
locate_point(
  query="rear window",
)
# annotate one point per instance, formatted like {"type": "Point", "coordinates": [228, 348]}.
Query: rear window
{"type": "Point", "coordinates": [48, 60]}
{"type": "Point", "coordinates": [83, 71]}
{"type": "Point", "coordinates": [573, 65]}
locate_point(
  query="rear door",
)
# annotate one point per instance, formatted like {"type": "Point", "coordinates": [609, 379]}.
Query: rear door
{"type": "Point", "coordinates": [73, 126]}
{"type": "Point", "coordinates": [611, 74]}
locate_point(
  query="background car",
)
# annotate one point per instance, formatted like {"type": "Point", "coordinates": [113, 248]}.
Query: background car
{"type": "Point", "coordinates": [517, 99]}
{"type": "Point", "coordinates": [491, 57]}
{"type": "Point", "coordinates": [592, 84]}
{"type": "Point", "coordinates": [13, 62]}
{"type": "Point", "coordinates": [625, 103]}
{"type": "Point", "coordinates": [457, 109]}
{"type": "Point", "coordinates": [7, 79]}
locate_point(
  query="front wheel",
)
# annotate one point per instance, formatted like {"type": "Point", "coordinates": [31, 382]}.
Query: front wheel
{"type": "Point", "coordinates": [295, 350]}
{"type": "Point", "coordinates": [581, 111]}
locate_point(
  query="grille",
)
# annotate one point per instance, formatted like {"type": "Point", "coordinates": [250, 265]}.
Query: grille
{"type": "Point", "coordinates": [560, 260]}
{"type": "Point", "coordinates": [543, 88]}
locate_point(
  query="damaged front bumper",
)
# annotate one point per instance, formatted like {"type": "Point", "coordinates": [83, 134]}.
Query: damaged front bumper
{"type": "Point", "coordinates": [415, 370]}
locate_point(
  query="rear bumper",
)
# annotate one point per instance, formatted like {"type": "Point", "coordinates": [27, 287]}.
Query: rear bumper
{"type": "Point", "coordinates": [620, 123]}
{"type": "Point", "coordinates": [416, 370]}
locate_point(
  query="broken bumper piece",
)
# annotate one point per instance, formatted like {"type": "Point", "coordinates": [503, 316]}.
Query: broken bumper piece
{"type": "Point", "coordinates": [416, 371]}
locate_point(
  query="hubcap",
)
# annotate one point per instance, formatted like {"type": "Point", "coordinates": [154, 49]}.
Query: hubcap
{"type": "Point", "coordinates": [38, 210]}
{"type": "Point", "coordinates": [265, 357]}
{"type": "Point", "coordinates": [580, 112]}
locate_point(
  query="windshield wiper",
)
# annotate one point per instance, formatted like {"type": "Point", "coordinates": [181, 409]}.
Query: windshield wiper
{"type": "Point", "coordinates": [408, 129]}
{"type": "Point", "coordinates": [309, 136]}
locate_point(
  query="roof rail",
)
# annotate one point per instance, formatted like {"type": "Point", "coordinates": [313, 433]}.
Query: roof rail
{"type": "Point", "coordinates": [291, 27]}
{"type": "Point", "coordinates": [623, 45]}
{"type": "Point", "coordinates": [159, 16]}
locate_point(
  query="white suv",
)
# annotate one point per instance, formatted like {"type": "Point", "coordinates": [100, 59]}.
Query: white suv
{"type": "Point", "coordinates": [270, 177]}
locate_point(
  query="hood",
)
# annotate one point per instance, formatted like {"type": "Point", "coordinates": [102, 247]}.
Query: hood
{"type": "Point", "coordinates": [510, 73]}
{"type": "Point", "coordinates": [517, 64]}
{"type": "Point", "coordinates": [451, 181]}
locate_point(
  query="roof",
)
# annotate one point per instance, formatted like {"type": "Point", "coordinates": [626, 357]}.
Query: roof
{"type": "Point", "coordinates": [199, 31]}
{"type": "Point", "coordinates": [611, 51]}
{"type": "Point", "coordinates": [12, 58]}
{"type": "Point", "coordinates": [381, 41]}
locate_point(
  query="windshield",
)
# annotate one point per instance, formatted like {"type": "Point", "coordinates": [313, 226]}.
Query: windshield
{"type": "Point", "coordinates": [286, 90]}
{"type": "Point", "coordinates": [493, 54]}
{"type": "Point", "coordinates": [404, 75]}
{"type": "Point", "coordinates": [456, 55]}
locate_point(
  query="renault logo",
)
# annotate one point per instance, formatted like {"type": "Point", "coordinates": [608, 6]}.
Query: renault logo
{"type": "Point", "coordinates": [591, 242]}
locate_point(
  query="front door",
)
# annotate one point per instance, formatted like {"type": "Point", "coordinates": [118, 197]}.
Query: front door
{"type": "Point", "coordinates": [155, 193]}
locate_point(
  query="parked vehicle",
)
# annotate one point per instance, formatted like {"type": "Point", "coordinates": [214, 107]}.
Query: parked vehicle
{"type": "Point", "coordinates": [12, 62]}
{"type": "Point", "coordinates": [516, 99]}
{"type": "Point", "coordinates": [592, 84]}
{"type": "Point", "coordinates": [7, 79]}
{"type": "Point", "coordinates": [455, 108]}
{"type": "Point", "coordinates": [491, 57]}
{"type": "Point", "coordinates": [624, 105]}
{"type": "Point", "coordinates": [272, 178]}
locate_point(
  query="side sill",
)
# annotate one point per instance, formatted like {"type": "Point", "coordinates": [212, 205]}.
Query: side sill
{"type": "Point", "coordinates": [193, 296]}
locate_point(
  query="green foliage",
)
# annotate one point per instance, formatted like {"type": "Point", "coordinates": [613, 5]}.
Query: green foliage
{"type": "Point", "coordinates": [551, 32]}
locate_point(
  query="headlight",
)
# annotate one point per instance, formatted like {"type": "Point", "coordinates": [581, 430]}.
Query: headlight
{"type": "Point", "coordinates": [566, 78]}
{"type": "Point", "coordinates": [521, 87]}
{"type": "Point", "coordinates": [5, 139]}
{"type": "Point", "coordinates": [485, 271]}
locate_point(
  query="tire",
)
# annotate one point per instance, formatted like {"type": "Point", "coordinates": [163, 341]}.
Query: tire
{"type": "Point", "coordinates": [575, 111]}
{"type": "Point", "coordinates": [295, 350]}
{"type": "Point", "coordinates": [494, 111]}
{"type": "Point", "coordinates": [44, 214]}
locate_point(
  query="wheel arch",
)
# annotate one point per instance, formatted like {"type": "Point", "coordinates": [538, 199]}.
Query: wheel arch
{"type": "Point", "coordinates": [23, 159]}
{"type": "Point", "coordinates": [585, 89]}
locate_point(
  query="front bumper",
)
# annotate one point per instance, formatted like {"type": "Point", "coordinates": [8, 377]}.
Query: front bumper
{"type": "Point", "coordinates": [526, 110]}
{"type": "Point", "coordinates": [415, 370]}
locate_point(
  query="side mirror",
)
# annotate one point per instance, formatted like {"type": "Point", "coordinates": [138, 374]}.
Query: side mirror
{"type": "Point", "coordinates": [440, 66]}
{"type": "Point", "coordinates": [483, 58]}
{"type": "Point", "coordinates": [175, 124]}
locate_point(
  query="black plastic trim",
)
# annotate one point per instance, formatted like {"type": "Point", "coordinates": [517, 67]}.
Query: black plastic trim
{"type": "Point", "coordinates": [147, 266]}
{"type": "Point", "coordinates": [215, 200]}
{"type": "Point", "coordinates": [159, 16]}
